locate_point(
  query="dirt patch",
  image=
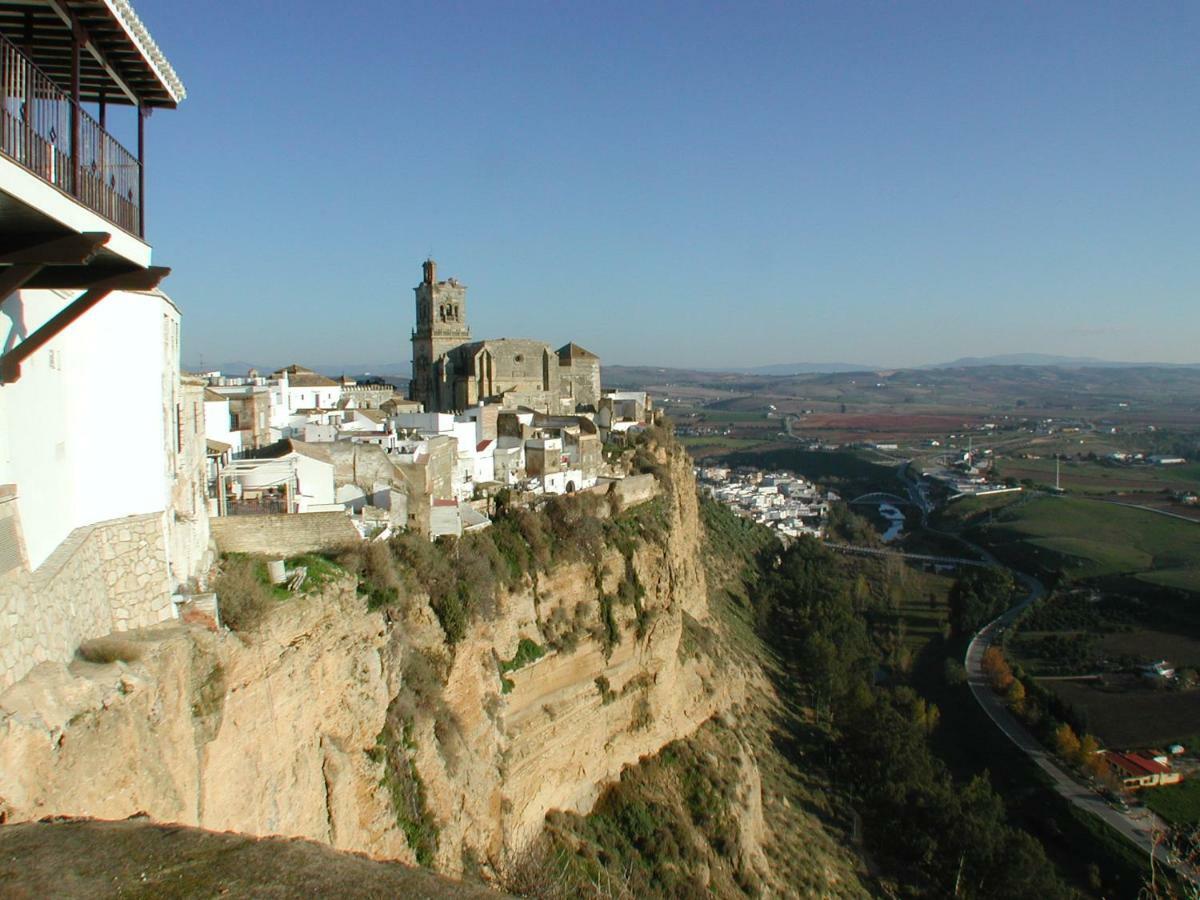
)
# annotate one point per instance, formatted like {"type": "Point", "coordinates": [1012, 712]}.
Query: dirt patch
{"type": "Point", "coordinates": [138, 858]}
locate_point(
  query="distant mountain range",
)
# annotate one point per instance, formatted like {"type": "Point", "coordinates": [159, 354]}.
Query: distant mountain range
{"type": "Point", "coordinates": [1046, 359]}
{"type": "Point", "coordinates": [797, 369]}
{"type": "Point", "coordinates": [963, 362]}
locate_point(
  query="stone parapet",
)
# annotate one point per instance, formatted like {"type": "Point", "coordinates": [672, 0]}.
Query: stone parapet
{"type": "Point", "coordinates": [283, 535]}
{"type": "Point", "coordinates": [106, 577]}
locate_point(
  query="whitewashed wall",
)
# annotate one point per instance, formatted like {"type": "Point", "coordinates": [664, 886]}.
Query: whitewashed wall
{"type": "Point", "coordinates": [87, 429]}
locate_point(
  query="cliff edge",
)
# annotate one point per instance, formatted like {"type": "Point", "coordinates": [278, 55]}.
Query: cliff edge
{"type": "Point", "coordinates": [389, 713]}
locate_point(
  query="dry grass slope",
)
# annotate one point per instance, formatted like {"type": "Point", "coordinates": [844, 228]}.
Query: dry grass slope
{"type": "Point", "coordinates": [138, 859]}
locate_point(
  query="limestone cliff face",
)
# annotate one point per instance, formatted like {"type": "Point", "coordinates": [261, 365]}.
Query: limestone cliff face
{"type": "Point", "coordinates": [202, 729]}
{"type": "Point", "coordinates": [277, 734]}
{"type": "Point", "coordinates": [557, 737]}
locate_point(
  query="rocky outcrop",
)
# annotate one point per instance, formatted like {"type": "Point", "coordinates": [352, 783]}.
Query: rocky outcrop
{"type": "Point", "coordinates": [203, 729]}
{"type": "Point", "coordinates": [572, 720]}
{"type": "Point", "coordinates": [287, 732]}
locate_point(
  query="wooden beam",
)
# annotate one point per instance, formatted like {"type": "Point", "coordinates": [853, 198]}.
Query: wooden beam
{"type": "Point", "coordinates": [72, 21]}
{"type": "Point", "coordinates": [15, 277]}
{"type": "Point", "coordinates": [140, 280]}
{"type": "Point", "coordinates": [72, 250]}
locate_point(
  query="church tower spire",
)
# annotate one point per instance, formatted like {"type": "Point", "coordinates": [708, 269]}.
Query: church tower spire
{"type": "Point", "coordinates": [441, 326]}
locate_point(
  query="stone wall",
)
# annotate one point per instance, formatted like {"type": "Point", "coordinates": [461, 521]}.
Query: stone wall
{"type": "Point", "coordinates": [111, 576]}
{"type": "Point", "coordinates": [364, 465]}
{"type": "Point", "coordinates": [283, 535]}
{"type": "Point", "coordinates": [635, 489]}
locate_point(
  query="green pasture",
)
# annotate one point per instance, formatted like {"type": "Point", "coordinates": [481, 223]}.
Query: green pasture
{"type": "Point", "coordinates": [1087, 477]}
{"type": "Point", "coordinates": [1179, 803]}
{"type": "Point", "coordinates": [1095, 539]}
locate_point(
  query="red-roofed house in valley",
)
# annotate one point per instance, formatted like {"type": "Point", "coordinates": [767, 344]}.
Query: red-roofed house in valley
{"type": "Point", "coordinates": [1137, 771]}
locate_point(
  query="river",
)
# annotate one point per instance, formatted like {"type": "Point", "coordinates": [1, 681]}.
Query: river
{"type": "Point", "coordinates": [895, 521]}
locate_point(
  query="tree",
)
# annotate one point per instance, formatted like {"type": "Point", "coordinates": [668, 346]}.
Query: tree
{"type": "Point", "coordinates": [1015, 698]}
{"type": "Point", "coordinates": [1091, 758]}
{"type": "Point", "coordinates": [978, 596]}
{"type": "Point", "coordinates": [996, 668]}
{"type": "Point", "coordinates": [954, 673]}
{"type": "Point", "coordinates": [1066, 743]}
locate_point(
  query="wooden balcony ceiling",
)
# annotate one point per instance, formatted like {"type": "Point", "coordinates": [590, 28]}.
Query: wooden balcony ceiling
{"type": "Point", "coordinates": [119, 59]}
{"type": "Point", "coordinates": [24, 230]}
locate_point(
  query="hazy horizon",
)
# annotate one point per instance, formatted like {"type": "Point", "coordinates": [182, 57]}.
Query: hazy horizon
{"type": "Point", "coordinates": [352, 367]}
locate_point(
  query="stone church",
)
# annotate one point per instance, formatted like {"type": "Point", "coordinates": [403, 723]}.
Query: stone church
{"type": "Point", "coordinates": [451, 372]}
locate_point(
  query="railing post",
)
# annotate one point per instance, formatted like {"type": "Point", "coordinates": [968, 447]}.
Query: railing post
{"type": "Point", "coordinates": [75, 121]}
{"type": "Point", "coordinates": [141, 117]}
{"type": "Point", "coordinates": [103, 196]}
{"type": "Point", "coordinates": [27, 151]}
{"type": "Point", "coordinates": [5, 69]}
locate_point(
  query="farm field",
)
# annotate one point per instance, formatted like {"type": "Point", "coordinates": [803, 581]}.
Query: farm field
{"type": "Point", "coordinates": [1182, 650]}
{"type": "Point", "coordinates": [1162, 503]}
{"type": "Point", "coordinates": [1086, 477]}
{"type": "Point", "coordinates": [1093, 539]}
{"type": "Point", "coordinates": [1124, 716]}
{"type": "Point", "coordinates": [1179, 804]}
{"type": "Point", "coordinates": [1087, 651]}
{"type": "Point", "coordinates": [706, 445]}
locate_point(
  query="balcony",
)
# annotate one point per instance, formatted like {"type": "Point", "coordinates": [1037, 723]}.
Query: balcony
{"type": "Point", "coordinates": [47, 132]}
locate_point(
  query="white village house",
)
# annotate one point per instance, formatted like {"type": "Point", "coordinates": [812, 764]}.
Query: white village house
{"type": "Point", "coordinates": [101, 518]}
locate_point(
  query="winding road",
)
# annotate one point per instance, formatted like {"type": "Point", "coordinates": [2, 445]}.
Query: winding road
{"type": "Point", "coordinates": [1140, 829]}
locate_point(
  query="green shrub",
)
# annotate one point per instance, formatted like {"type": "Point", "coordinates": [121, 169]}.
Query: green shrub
{"type": "Point", "coordinates": [607, 694]}
{"type": "Point", "coordinates": [244, 592]}
{"type": "Point", "coordinates": [321, 570]}
{"type": "Point", "coordinates": [109, 650]}
{"type": "Point", "coordinates": [527, 652]}
{"type": "Point", "coordinates": [643, 716]}
{"type": "Point", "coordinates": [421, 681]}
{"type": "Point", "coordinates": [395, 747]}
{"type": "Point", "coordinates": [611, 633]}
{"type": "Point", "coordinates": [562, 631]}
{"type": "Point", "coordinates": [209, 696]}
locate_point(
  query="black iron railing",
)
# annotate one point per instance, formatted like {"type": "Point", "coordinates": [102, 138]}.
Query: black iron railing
{"type": "Point", "coordinates": [264, 506]}
{"type": "Point", "coordinates": [49, 134]}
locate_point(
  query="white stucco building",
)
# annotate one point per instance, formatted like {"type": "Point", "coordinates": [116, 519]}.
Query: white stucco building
{"type": "Point", "coordinates": [102, 447]}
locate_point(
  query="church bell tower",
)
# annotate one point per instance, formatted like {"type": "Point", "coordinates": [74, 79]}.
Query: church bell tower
{"type": "Point", "coordinates": [441, 326]}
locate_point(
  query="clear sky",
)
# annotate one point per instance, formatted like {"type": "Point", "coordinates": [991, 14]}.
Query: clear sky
{"type": "Point", "coordinates": [684, 184]}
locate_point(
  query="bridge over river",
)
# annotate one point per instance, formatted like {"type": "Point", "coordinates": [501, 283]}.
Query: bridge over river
{"type": "Point", "coordinates": [919, 557]}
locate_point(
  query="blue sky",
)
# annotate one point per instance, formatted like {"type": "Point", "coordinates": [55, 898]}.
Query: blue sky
{"type": "Point", "coordinates": [684, 184]}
